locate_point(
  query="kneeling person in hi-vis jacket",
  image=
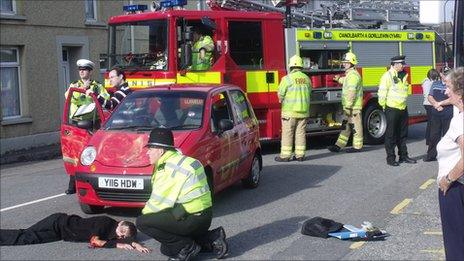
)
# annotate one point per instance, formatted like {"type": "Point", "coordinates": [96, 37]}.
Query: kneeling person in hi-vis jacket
{"type": "Point", "coordinates": [294, 94]}
{"type": "Point", "coordinates": [179, 211]}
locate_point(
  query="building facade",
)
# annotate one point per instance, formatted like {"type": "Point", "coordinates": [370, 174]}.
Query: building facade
{"type": "Point", "coordinates": [40, 42]}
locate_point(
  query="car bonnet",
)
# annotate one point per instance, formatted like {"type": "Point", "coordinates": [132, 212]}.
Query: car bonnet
{"type": "Point", "coordinates": [126, 149]}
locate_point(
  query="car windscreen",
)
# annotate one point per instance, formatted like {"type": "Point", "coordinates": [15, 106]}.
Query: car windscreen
{"type": "Point", "coordinates": [145, 110]}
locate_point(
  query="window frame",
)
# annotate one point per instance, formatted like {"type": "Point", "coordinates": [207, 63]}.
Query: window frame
{"type": "Point", "coordinates": [14, 10]}
{"type": "Point", "coordinates": [17, 65]}
{"type": "Point", "coordinates": [95, 13]}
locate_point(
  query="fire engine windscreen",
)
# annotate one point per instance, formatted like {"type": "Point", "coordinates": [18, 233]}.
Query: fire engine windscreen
{"type": "Point", "coordinates": [145, 110]}
{"type": "Point", "coordinates": [139, 45]}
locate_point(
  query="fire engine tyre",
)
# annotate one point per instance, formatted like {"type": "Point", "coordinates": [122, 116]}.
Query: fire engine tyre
{"type": "Point", "coordinates": [252, 181]}
{"type": "Point", "coordinates": [91, 209]}
{"type": "Point", "coordinates": [374, 124]}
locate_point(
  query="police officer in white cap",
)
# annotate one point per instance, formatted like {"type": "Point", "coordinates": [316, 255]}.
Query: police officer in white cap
{"type": "Point", "coordinates": [78, 99]}
{"type": "Point", "coordinates": [393, 93]}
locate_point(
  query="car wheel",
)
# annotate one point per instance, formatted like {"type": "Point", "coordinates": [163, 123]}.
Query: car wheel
{"type": "Point", "coordinates": [91, 209]}
{"type": "Point", "coordinates": [252, 180]}
{"type": "Point", "coordinates": [374, 124]}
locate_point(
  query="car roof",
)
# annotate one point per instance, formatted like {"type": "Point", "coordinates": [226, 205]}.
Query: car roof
{"type": "Point", "coordinates": [207, 88]}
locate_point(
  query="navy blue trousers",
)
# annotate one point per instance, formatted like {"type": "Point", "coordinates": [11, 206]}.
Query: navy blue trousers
{"type": "Point", "coordinates": [452, 221]}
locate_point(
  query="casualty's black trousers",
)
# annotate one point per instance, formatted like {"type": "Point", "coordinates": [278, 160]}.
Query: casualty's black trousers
{"type": "Point", "coordinates": [452, 221]}
{"type": "Point", "coordinates": [176, 234]}
{"type": "Point", "coordinates": [44, 231]}
{"type": "Point", "coordinates": [438, 127]}
{"type": "Point", "coordinates": [396, 132]}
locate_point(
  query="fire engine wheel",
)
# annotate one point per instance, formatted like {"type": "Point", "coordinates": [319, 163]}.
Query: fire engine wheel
{"type": "Point", "coordinates": [91, 209]}
{"type": "Point", "coordinates": [374, 124]}
{"type": "Point", "coordinates": [252, 181]}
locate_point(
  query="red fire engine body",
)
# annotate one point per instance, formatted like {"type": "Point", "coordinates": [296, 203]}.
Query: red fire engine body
{"type": "Point", "coordinates": [251, 51]}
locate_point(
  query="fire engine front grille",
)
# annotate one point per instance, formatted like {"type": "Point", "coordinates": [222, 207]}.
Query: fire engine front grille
{"type": "Point", "coordinates": [124, 196]}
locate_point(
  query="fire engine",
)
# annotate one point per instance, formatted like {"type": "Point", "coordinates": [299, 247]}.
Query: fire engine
{"type": "Point", "coordinates": [251, 51]}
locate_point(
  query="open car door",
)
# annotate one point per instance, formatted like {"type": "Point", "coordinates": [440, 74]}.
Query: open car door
{"type": "Point", "coordinates": [78, 125]}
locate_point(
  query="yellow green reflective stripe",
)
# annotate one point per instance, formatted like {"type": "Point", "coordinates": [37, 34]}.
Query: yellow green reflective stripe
{"type": "Point", "coordinates": [161, 200]}
{"type": "Point", "coordinates": [193, 194]}
{"type": "Point", "coordinates": [177, 167]}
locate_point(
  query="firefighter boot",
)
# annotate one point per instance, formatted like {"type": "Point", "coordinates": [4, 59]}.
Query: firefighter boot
{"type": "Point", "coordinates": [280, 159]}
{"type": "Point", "coordinates": [334, 148]}
{"type": "Point", "coordinates": [353, 150]}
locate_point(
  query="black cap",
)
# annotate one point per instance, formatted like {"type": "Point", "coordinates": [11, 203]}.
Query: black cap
{"type": "Point", "coordinates": [320, 227]}
{"type": "Point", "coordinates": [161, 137]}
{"type": "Point", "coordinates": [398, 59]}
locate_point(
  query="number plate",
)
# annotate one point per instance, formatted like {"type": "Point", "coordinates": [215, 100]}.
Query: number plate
{"type": "Point", "coordinates": [120, 183]}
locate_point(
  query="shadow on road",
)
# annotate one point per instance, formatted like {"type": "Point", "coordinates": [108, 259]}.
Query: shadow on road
{"type": "Point", "coordinates": [249, 239]}
{"type": "Point", "coordinates": [277, 181]}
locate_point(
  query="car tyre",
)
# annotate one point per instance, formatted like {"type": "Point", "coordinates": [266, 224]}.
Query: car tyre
{"type": "Point", "coordinates": [252, 180]}
{"type": "Point", "coordinates": [91, 209]}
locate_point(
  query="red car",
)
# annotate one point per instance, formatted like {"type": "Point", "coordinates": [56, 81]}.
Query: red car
{"type": "Point", "coordinates": [214, 124]}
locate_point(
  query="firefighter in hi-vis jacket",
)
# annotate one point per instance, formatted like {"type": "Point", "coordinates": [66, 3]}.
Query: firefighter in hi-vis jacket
{"type": "Point", "coordinates": [294, 94]}
{"type": "Point", "coordinates": [352, 95]}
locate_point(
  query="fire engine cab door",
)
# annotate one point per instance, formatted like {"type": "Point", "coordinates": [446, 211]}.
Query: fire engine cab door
{"type": "Point", "coordinates": [77, 127]}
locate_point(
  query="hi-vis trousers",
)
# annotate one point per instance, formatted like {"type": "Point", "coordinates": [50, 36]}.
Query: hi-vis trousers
{"type": "Point", "coordinates": [354, 125]}
{"type": "Point", "coordinates": [293, 129]}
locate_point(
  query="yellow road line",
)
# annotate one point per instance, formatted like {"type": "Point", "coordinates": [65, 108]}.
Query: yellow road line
{"type": "Point", "coordinates": [435, 233]}
{"type": "Point", "coordinates": [400, 206]}
{"type": "Point", "coordinates": [427, 184]}
{"type": "Point", "coordinates": [358, 244]}
{"type": "Point", "coordinates": [434, 251]}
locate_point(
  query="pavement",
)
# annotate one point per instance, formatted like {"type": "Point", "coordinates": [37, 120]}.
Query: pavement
{"type": "Point", "coordinates": [414, 228]}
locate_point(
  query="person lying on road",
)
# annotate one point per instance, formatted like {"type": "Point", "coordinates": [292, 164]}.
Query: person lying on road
{"type": "Point", "coordinates": [99, 231]}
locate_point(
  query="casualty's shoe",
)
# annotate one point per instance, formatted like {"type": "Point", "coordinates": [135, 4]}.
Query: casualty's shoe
{"type": "Point", "coordinates": [279, 159]}
{"type": "Point", "coordinates": [334, 148]}
{"type": "Point", "coordinates": [353, 150]}
{"type": "Point", "coordinates": [393, 163]}
{"type": "Point", "coordinates": [426, 159]}
{"type": "Point", "coordinates": [187, 253]}
{"type": "Point", "coordinates": [220, 246]}
{"type": "Point", "coordinates": [407, 159]}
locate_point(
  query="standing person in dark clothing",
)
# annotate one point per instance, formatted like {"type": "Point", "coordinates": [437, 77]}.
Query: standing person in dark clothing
{"type": "Point", "coordinates": [393, 94]}
{"type": "Point", "coordinates": [432, 75]}
{"type": "Point", "coordinates": [118, 82]}
{"type": "Point", "coordinates": [441, 115]}
{"type": "Point", "coordinates": [100, 231]}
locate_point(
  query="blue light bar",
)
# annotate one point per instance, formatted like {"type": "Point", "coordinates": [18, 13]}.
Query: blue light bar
{"type": "Point", "coordinates": [134, 8]}
{"type": "Point", "coordinates": [172, 3]}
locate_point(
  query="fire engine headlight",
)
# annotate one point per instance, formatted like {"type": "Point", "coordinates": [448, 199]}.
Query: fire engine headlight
{"type": "Point", "coordinates": [88, 156]}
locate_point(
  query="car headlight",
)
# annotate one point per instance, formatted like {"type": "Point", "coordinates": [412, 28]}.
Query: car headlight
{"type": "Point", "coordinates": [88, 156]}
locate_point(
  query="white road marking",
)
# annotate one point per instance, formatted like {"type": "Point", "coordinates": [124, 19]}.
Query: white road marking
{"type": "Point", "coordinates": [31, 202]}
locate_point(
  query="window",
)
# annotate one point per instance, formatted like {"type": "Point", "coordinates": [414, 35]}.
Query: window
{"type": "Point", "coordinates": [240, 106]}
{"type": "Point", "coordinates": [10, 83]}
{"type": "Point", "coordinates": [246, 49]}
{"type": "Point", "coordinates": [8, 7]}
{"type": "Point", "coordinates": [220, 110]}
{"type": "Point", "coordinates": [90, 10]}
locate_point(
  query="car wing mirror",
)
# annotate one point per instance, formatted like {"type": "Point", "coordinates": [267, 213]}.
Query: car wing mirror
{"type": "Point", "coordinates": [85, 124]}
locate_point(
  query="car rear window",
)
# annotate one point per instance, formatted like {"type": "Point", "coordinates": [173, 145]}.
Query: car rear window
{"type": "Point", "coordinates": [163, 109]}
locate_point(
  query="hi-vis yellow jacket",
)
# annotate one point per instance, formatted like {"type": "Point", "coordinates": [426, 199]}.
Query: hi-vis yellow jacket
{"type": "Point", "coordinates": [178, 179]}
{"type": "Point", "coordinates": [352, 91]}
{"type": "Point", "coordinates": [393, 91]}
{"type": "Point", "coordinates": [294, 94]}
